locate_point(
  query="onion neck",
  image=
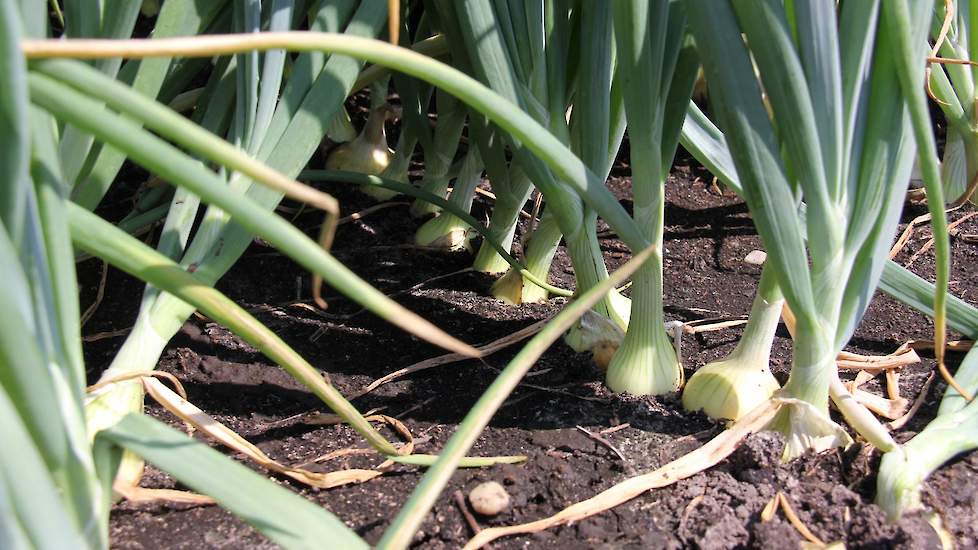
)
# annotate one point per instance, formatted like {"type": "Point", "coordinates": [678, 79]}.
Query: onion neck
{"type": "Point", "coordinates": [540, 253]}
{"type": "Point", "coordinates": [502, 225]}
{"type": "Point", "coordinates": [815, 349]}
{"type": "Point", "coordinates": [374, 131]}
{"type": "Point", "coordinates": [762, 322]}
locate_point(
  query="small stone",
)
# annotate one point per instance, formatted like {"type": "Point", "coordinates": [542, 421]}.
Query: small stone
{"type": "Point", "coordinates": [755, 257]}
{"type": "Point", "coordinates": [489, 498]}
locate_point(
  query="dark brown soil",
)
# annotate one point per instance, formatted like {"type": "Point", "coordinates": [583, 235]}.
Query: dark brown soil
{"type": "Point", "coordinates": [707, 236]}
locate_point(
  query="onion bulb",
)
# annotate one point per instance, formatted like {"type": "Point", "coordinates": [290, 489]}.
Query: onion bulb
{"type": "Point", "coordinates": [509, 288]}
{"type": "Point", "coordinates": [730, 388]}
{"type": "Point", "coordinates": [446, 232]}
{"type": "Point", "coordinates": [597, 334]}
{"type": "Point", "coordinates": [368, 153]}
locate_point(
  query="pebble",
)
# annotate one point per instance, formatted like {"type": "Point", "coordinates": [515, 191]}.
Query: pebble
{"type": "Point", "coordinates": [489, 498]}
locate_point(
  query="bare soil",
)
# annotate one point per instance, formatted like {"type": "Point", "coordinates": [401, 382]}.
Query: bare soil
{"type": "Point", "coordinates": [707, 236]}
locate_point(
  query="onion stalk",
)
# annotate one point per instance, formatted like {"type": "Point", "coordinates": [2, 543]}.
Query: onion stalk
{"type": "Point", "coordinates": [511, 196]}
{"type": "Point", "coordinates": [904, 469]}
{"type": "Point", "coordinates": [496, 62]}
{"type": "Point", "coordinates": [540, 251]}
{"type": "Point", "coordinates": [512, 188]}
{"type": "Point", "coordinates": [533, 71]}
{"type": "Point", "coordinates": [446, 230]}
{"type": "Point", "coordinates": [530, 66]}
{"type": "Point", "coordinates": [513, 287]}
{"type": "Point", "coordinates": [440, 154]}
{"type": "Point", "coordinates": [397, 170]}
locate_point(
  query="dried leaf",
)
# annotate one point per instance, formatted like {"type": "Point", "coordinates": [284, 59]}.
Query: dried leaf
{"type": "Point", "coordinates": [141, 495]}
{"type": "Point", "coordinates": [227, 437]}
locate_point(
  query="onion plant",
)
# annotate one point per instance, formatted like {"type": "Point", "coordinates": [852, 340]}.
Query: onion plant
{"type": "Point", "coordinates": [367, 153]}
{"type": "Point", "coordinates": [954, 431]}
{"type": "Point", "coordinates": [952, 85]}
{"type": "Point", "coordinates": [113, 129]}
{"type": "Point", "coordinates": [577, 90]}
{"type": "Point", "coordinates": [445, 205]}
{"type": "Point", "coordinates": [447, 230]}
{"type": "Point", "coordinates": [218, 242]}
{"type": "Point", "coordinates": [841, 140]}
{"type": "Point", "coordinates": [527, 58]}
{"type": "Point", "coordinates": [158, 77]}
{"type": "Point", "coordinates": [657, 67]}
{"type": "Point", "coordinates": [540, 247]}
{"type": "Point", "coordinates": [143, 347]}
{"type": "Point", "coordinates": [510, 183]}
{"type": "Point", "coordinates": [707, 144]}
{"type": "Point", "coordinates": [439, 151]}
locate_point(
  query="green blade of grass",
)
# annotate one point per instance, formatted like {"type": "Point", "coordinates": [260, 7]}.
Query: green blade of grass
{"type": "Point", "coordinates": [15, 139]}
{"type": "Point", "coordinates": [408, 520]}
{"type": "Point", "coordinates": [174, 166]}
{"type": "Point", "coordinates": [176, 18]}
{"type": "Point", "coordinates": [279, 514]}
{"type": "Point", "coordinates": [47, 404]}
{"type": "Point", "coordinates": [967, 376]}
{"type": "Point", "coordinates": [508, 116]}
{"type": "Point", "coordinates": [100, 238]}
{"type": "Point", "coordinates": [30, 500]}
{"type": "Point", "coordinates": [36, 17]}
